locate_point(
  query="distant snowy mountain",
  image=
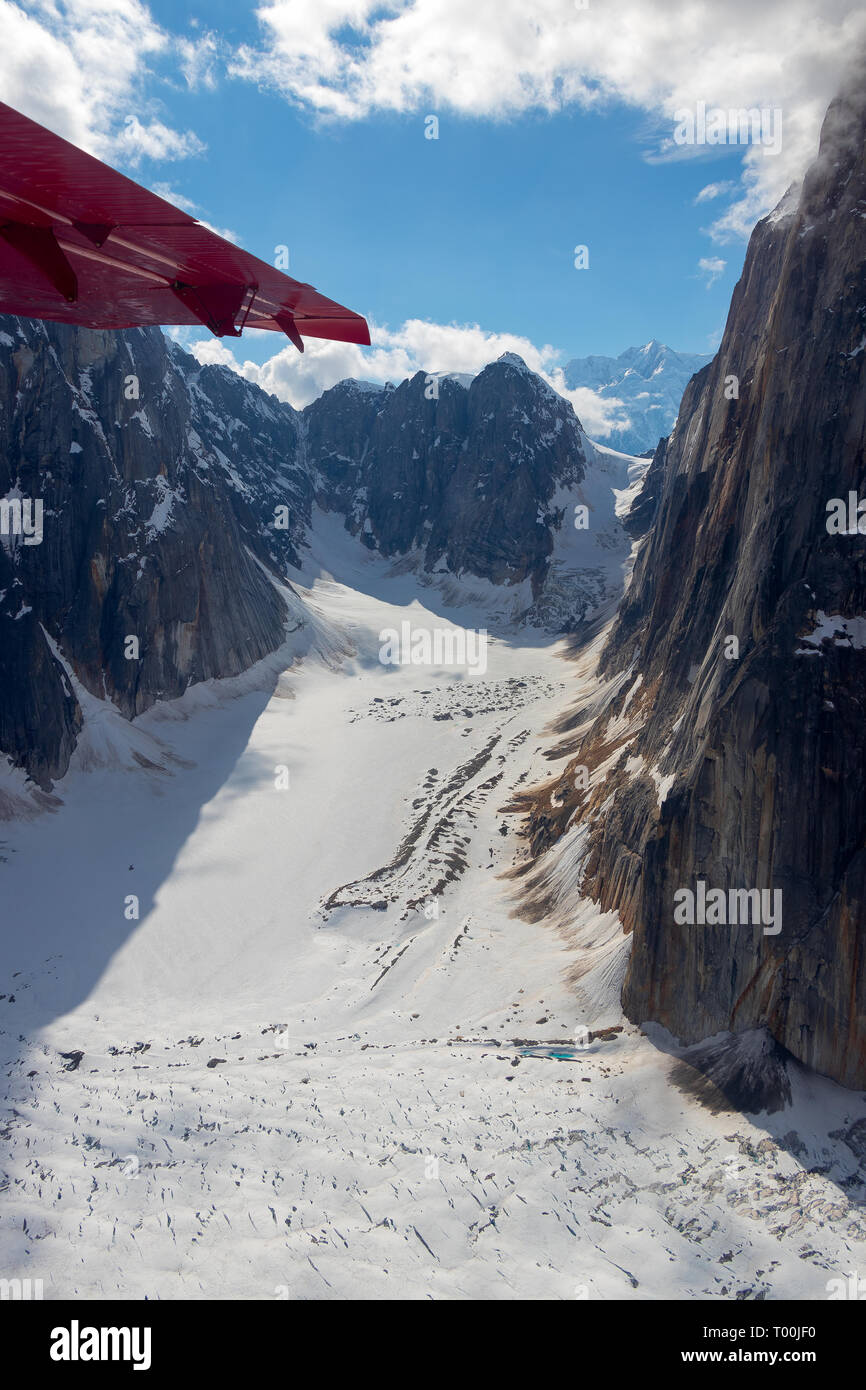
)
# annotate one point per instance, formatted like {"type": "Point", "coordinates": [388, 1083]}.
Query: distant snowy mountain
{"type": "Point", "coordinates": [650, 380]}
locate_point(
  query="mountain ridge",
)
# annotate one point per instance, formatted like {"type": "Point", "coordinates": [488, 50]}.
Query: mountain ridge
{"type": "Point", "coordinates": [726, 732]}
{"type": "Point", "coordinates": [179, 499]}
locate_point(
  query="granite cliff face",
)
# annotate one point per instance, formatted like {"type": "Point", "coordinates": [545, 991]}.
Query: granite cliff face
{"type": "Point", "coordinates": [177, 501]}
{"type": "Point", "coordinates": [149, 531]}
{"type": "Point", "coordinates": [465, 477]}
{"type": "Point", "coordinates": [726, 741]}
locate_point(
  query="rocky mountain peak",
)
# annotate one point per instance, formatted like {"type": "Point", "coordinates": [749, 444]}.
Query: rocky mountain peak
{"type": "Point", "coordinates": [733, 706]}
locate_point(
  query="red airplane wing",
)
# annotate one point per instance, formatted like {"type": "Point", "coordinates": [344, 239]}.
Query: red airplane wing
{"type": "Point", "coordinates": [81, 243]}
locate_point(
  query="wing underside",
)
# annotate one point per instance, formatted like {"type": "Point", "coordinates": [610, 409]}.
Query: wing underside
{"type": "Point", "coordinates": [81, 243]}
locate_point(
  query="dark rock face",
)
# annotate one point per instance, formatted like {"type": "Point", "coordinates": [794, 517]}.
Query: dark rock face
{"type": "Point", "coordinates": [149, 529]}
{"type": "Point", "coordinates": [855, 1138]}
{"type": "Point", "coordinates": [747, 1071]}
{"type": "Point", "coordinates": [764, 749]}
{"type": "Point", "coordinates": [465, 477]}
{"type": "Point", "coordinates": [174, 495]}
{"type": "Point", "coordinates": [643, 510]}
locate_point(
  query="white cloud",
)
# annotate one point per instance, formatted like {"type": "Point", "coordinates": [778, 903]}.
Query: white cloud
{"type": "Point", "coordinates": [417, 346]}
{"type": "Point", "coordinates": [164, 190]}
{"type": "Point", "coordinates": [198, 60]}
{"type": "Point", "coordinates": [225, 232]}
{"type": "Point", "coordinates": [711, 267]}
{"type": "Point", "coordinates": [80, 67]}
{"type": "Point", "coordinates": [498, 58]}
{"type": "Point", "coordinates": [180, 200]}
{"type": "Point", "coordinates": [155, 140]}
{"type": "Point", "coordinates": [714, 190]}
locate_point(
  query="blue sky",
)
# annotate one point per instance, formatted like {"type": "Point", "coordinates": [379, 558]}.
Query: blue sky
{"type": "Point", "coordinates": [302, 123]}
{"type": "Point", "coordinates": [477, 226]}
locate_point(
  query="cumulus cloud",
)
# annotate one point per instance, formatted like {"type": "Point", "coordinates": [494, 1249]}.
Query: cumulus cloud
{"type": "Point", "coordinates": [81, 67]}
{"type": "Point", "coordinates": [714, 190]}
{"type": "Point", "coordinates": [711, 267]}
{"type": "Point", "coordinates": [416, 346]}
{"type": "Point", "coordinates": [499, 58]}
{"type": "Point", "coordinates": [153, 139]}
